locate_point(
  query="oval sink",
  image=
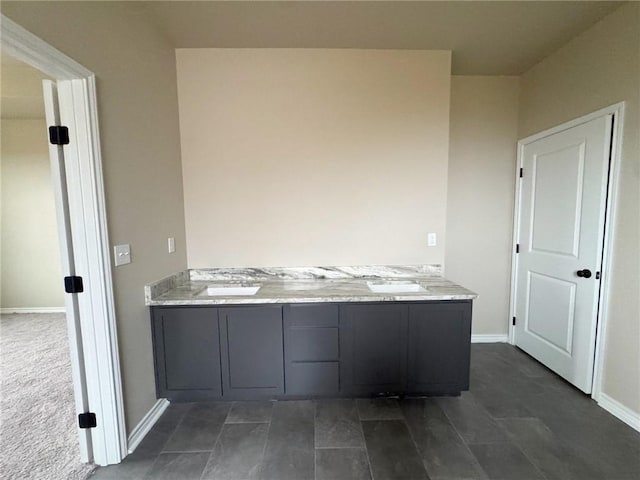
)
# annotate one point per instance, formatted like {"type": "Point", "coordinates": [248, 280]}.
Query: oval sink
{"type": "Point", "coordinates": [229, 290]}
{"type": "Point", "coordinates": [399, 287]}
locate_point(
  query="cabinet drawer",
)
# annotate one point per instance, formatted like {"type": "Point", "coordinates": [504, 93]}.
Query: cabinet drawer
{"type": "Point", "coordinates": [311, 315]}
{"type": "Point", "coordinates": [312, 344]}
{"type": "Point", "coordinates": [313, 378]}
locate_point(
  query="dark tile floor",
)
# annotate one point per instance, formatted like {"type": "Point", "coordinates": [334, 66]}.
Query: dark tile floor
{"type": "Point", "coordinates": [518, 422]}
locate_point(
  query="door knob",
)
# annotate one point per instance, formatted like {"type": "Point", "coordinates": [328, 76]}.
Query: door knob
{"type": "Point", "coordinates": [586, 273]}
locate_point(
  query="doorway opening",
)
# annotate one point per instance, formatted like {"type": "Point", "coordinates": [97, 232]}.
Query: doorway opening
{"type": "Point", "coordinates": [76, 169]}
{"type": "Point", "coordinates": [35, 371]}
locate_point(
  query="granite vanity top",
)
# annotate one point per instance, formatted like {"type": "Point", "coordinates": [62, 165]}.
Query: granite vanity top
{"type": "Point", "coordinates": [304, 285]}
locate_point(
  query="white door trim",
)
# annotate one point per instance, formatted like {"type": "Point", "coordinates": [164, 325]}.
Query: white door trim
{"type": "Point", "coordinates": [617, 110]}
{"type": "Point", "coordinates": [91, 246]}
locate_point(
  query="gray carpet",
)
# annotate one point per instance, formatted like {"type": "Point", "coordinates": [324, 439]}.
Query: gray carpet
{"type": "Point", "coordinates": [38, 438]}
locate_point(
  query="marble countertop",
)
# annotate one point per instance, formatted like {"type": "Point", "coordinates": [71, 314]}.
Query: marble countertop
{"type": "Point", "coordinates": [304, 285]}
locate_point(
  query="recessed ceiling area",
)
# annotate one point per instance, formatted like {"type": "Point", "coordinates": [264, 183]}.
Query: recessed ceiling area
{"type": "Point", "coordinates": [21, 90]}
{"type": "Point", "coordinates": [486, 37]}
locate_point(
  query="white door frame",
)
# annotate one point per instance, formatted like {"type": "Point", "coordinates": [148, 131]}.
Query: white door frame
{"type": "Point", "coordinates": [617, 110]}
{"type": "Point", "coordinates": [78, 109]}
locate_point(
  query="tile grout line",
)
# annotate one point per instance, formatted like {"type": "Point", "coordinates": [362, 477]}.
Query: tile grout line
{"type": "Point", "coordinates": [266, 441]}
{"type": "Point", "coordinates": [157, 455]}
{"type": "Point", "coordinates": [217, 440]}
{"type": "Point", "coordinates": [415, 444]}
{"type": "Point", "coordinates": [464, 443]}
{"type": "Point", "coordinates": [364, 440]}
{"type": "Point", "coordinates": [187, 451]}
{"type": "Point", "coordinates": [575, 450]}
{"type": "Point", "coordinates": [366, 449]}
{"type": "Point", "coordinates": [515, 444]}
{"type": "Point", "coordinates": [499, 424]}
{"type": "Point", "coordinates": [175, 429]}
{"type": "Point", "coordinates": [502, 429]}
{"type": "Point", "coordinates": [338, 447]}
{"type": "Point", "coordinates": [247, 422]}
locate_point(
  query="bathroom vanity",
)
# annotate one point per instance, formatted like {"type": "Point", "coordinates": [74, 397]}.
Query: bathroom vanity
{"type": "Point", "coordinates": [320, 332]}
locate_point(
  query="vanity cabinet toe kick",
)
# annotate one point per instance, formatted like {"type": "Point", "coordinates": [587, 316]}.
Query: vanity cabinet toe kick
{"type": "Point", "coordinates": [311, 350]}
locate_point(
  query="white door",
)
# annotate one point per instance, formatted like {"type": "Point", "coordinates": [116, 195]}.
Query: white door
{"type": "Point", "coordinates": [562, 215]}
{"type": "Point", "coordinates": [59, 181]}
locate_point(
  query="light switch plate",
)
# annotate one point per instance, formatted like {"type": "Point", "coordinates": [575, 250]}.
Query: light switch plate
{"type": "Point", "coordinates": [122, 254]}
{"type": "Point", "coordinates": [431, 240]}
{"type": "Point", "coordinates": [171, 244]}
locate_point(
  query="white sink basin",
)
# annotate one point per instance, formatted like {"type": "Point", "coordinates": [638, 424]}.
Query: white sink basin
{"type": "Point", "coordinates": [230, 290]}
{"type": "Point", "coordinates": [400, 287]}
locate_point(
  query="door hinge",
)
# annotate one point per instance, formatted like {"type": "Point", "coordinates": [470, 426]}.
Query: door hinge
{"type": "Point", "coordinates": [73, 285]}
{"type": "Point", "coordinates": [59, 135]}
{"type": "Point", "coordinates": [517, 248]}
{"type": "Point", "coordinates": [87, 420]}
{"type": "Point", "coordinates": [513, 321]}
{"type": "Point", "coordinates": [521, 173]}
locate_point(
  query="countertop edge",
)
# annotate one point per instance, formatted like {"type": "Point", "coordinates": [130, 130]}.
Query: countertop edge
{"type": "Point", "coordinates": [181, 289]}
{"type": "Point", "coordinates": [336, 299]}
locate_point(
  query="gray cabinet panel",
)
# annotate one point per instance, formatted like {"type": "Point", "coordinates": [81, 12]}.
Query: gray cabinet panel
{"type": "Point", "coordinates": [315, 344]}
{"type": "Point", "coordinates": [439, 341]}
{"type": "Point", "coordinates": [313, 378]}
{"type": "Point", "coordinates": [374, 348]}
{"type": "Point", "coordinates": [187, 353]}
{"type": "Point", "coordinates": [252, 362]}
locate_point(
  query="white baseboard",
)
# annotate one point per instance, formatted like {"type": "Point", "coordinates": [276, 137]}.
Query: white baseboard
{"type": "Point", "coordinates": [146, 424]}
{"type": "Point", "coordinates": [32, 310]}
{"type": "Point", "coordinates": [490, 338]}
{"type": "Point", "coordinates": [620, 411]}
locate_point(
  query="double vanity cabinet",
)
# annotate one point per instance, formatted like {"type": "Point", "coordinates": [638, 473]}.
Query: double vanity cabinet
{"type": "Point", "coordinates": [207, 352]}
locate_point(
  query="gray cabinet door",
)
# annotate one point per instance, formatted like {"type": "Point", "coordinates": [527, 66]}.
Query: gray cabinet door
{"type": "Point", "coordinates": [439, 341]}
{"type": "Point", "coordinates": [374, 348]}
{"type": "Point", "coordinates": [187, 353]}
{"type": "Point", "coordinates": [252, 360]}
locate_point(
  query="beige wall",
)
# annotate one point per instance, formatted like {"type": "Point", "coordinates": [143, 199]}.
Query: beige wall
{"type": "Point", "coordinates": [21, 90]}
{"type": "Point", "coordinates": [298, 157]}
{"type": "Point", "coordinates": [482, 160]}
{"type": "Point", "coordinates": [594, 70]}
{"type": "Point", "coordinates": [137, 101]}
{"type": "Point", "coordinates": [30, 252]}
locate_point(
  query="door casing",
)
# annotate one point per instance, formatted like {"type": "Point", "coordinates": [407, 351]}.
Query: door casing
{"type": "Point", "coordinates": [617, 111]}
{"type": "Point", "coordinates": [88, 222]}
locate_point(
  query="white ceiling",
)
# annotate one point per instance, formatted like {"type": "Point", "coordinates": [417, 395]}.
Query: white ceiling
{"type": "Point", "coordinates": [486, 37]}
